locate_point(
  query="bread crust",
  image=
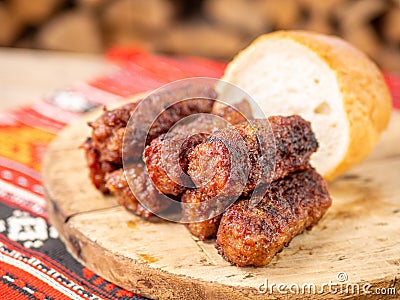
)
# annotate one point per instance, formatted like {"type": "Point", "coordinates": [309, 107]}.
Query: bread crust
{"type": "Point", "coordinates": [366, 98]}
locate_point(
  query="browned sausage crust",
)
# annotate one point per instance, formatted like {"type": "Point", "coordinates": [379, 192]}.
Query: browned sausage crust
{"type": "Point", "coordinates": [97, 168]}
{"type": "Point", "coordinates": [235, 113]}
{"type": "Point", "coordinates": [108, 131]}
{"type": "Point", "coordinates": [161, 111]}
{"type": "Point", "coordinates": [109, 128]}
{"type": "Point", "coordinates": [253, 235]}
{"type": "Point", "coordinates": [166, 161]}
{"type": "Point", "coordinates": [104, 150]}
{"type": "Point", "coordinates": [275, 147]}
{"type": "Point", "coordinates": [166, 157]}
{"type": "Point", "coordinates": [205, 229]}
{"type": "Point", "coordinates": [210, 169]}
{"type": "Point", "coordinates": [118, 185]}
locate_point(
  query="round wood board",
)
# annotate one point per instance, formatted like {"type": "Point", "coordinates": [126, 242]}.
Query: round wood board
{"type": "Point", "coordinates": [359, 236]}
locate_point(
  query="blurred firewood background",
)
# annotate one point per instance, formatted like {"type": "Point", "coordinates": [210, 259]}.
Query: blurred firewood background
{"type": "Point", "coordinates": [212, 28]}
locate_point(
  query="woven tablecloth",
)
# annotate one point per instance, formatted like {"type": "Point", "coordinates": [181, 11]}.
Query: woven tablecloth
{"type": "Point", "coordinates": [34, 263]}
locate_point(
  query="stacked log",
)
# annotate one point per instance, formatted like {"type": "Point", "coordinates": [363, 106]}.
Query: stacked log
{"type": "Point", "coordinates": [213, 28]}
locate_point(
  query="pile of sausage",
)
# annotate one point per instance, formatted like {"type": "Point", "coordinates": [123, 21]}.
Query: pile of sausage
{"type": "Point", "coordinates": [245, 181]}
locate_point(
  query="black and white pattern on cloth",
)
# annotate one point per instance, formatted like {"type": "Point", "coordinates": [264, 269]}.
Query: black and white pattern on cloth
{"type": "Point", "coordinates": [35, 233]}
{"type": "Point", "coordinates": [24, 228]}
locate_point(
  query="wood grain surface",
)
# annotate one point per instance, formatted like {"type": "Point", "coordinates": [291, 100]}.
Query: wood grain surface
{"type": "Point", "coordinates": [28, 75]}
{"type": "Point", "coordinates": [359, 236]}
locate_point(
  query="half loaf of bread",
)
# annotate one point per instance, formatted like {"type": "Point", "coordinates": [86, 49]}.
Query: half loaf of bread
{"type": "Point", "coordinates": [325, 80]}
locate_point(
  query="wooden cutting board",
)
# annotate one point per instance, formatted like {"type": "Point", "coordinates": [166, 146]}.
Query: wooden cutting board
{"type": "Point", "coordinates": [358, 239]}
